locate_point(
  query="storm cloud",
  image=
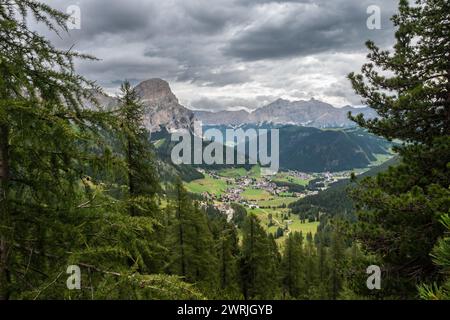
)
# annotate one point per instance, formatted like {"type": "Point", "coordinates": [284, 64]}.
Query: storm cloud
{"type": "Point", "coordinates": [302, 28]}
{"type": "Point", "coordinates": [225, 54]}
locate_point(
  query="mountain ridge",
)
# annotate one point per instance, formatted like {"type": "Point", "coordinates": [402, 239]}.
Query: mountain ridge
{"type": "Point", "coordinates": [163, 109]}
{"type": "Point", "coordinates": [313, 113]}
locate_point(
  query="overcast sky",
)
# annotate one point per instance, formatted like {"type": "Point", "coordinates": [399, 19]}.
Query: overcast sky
{"type": "Point", "coordinates": [224, 54]}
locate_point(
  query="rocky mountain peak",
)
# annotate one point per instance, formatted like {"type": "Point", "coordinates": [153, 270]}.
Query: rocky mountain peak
{"type": "Point", "coordinates": [279, 102]}
{"type": "Point", "coordinates": [155, 91]}
{"type": "Point", "coordinates": [162, 107]}
{"type": "Point", "coordinates": [312, 113]}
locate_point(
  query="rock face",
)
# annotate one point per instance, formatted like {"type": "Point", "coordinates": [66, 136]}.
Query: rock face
{"type": "Point", "coordinates": [162, 107]}
{"type": "Point", "coordinates": [312, 113]}
{"type": "Point", "coordinates": [155, 91]}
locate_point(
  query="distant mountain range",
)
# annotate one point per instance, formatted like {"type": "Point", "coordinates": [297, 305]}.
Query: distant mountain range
{"type": "Point", "coordinates": [304, 146]}
{"type": "Point", "coordinates": [312, 113]}
{"type": "Point", "coordinates": [163, 110]}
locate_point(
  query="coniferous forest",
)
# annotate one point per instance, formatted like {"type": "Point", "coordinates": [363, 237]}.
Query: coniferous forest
{"type": "Point", "coordinates": [84, 186]}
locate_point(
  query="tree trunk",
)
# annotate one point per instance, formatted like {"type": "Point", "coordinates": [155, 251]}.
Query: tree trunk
{"type": "Point", "coordinates": [4, 212]}
{"type": "Point", "coordinates": [181, 236]}
{"type": "Point", "coordinates": [131, 168]}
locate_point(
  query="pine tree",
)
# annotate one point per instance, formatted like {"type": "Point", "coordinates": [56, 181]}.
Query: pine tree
{"type": "Point", "coordinates": [273, 266]}
{"type": "Point", "coordinates": [57, 207]}
{"type": "Point", "coordinates": [337, 258]}
{"type": "Point", "coordinates": [142, 181]}
{"type": "Point", "coordinates": [42, 129]}
{"type": "Point", "coordinates": [441, 257]}
{"type": "Point", "coordinates": [311, 269]}
{"type": "Point", "coordinates": [292, 266]}
{"type": "Point", "coordinates": [259, 278]}
{"type": "Point", "coordinates": [227, 247]}
{"type": "Point", "coordinates": [190, 244]}
{"type": "Point", "coordinates": [400, 209]}
{"type": "Point", "coordinates": [324, 267]}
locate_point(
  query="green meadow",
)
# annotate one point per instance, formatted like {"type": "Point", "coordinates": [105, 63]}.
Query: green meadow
{"type": "Point", "coordinates": [207, 184]}
{"type": "Point", "coordinates": [269, 204]}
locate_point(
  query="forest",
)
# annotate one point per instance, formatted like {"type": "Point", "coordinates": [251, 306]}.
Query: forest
{"type": "Point", "coordinates": [81, 186]}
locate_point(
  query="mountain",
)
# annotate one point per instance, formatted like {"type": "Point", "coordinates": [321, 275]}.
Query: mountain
{"type": "Point", "coordinates": [301, 148]}
{"type": "Point", "coordinates": [162, 107]}
{"type": "Point", "coordinates": [317, 150]}
{"type": "Point", "coordinates": [311, 113]}
{"type": "Point", "coordinates": [305, 149]}
{"type": "Point", "coordinates": [163, 110]}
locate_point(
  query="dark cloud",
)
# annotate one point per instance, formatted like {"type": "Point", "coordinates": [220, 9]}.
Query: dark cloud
{"type": "Point", "coordinates": [343, 89]}
{"type": "Point", "coordinates": [229, 50]}
{"type": "Point", "coordinates": [213, 78]}
{"type": "Point", "coordinates": [301, 28]}
{"type": "Point", "coordinates": [102, 18]}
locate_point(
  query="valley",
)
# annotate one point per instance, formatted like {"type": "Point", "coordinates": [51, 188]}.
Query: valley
{"type": "Point", "coordinates": [268, 197]}
{"type": "Point", "coordinates": [238, 185]}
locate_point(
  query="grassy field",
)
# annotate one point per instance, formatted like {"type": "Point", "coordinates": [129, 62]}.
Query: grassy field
{"type": "Point", "coordinates": [277, 214]}
{"type": "Point", "coordinates": [276, 201]}
{"type": "Point", "coordinates": [254, 172]}
{"type": "Point", "coordinates": [261, 197]}
{"type": "Point", "coordinates": [304, 227]}
{"type": "Point", "coordinates": [381, 158]}
{"type": "Point", "coordinates": [263, 215]}
{"type": "Point", "coordinates": [208, 184]}
{"type": "Point", "coordinates": [255, 194]}
{"type": "Point", "coordinates": [285, 177]}
{"type": "Point", "coordinates": [232, 172]}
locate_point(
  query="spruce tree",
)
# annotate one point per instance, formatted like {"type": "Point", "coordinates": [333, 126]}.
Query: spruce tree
{"type": "Point", "coordinates": [141, 172]}
{"type": "Point", "coordinates": [259, 279]}
{"type": "Point", "coordinates": [292, 266]}
{"type": "Point", "coordinates": [190, 242]}
{"type": "Point", "coordinates": [337, 261]}
{"type": "Point", "coordinates": [399, 210]}
{"type": "Point", "coordinates": [57, 207]}
{"type": "Point", "coordinates": [311, 274]}
{"type": "Point", "coordinates": [228, 251]}
{"type": "Point", "coordinates": [42, 134]}
{"type": "Point", "coordinates": [324, 267]}
{"type": "Point", "coordinates": [441, 257]}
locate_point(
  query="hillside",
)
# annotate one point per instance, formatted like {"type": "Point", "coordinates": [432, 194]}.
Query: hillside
{"type": "Point", "coordinates": [317, 150]}
{"type": "Point", "coordinates": [335, 199]}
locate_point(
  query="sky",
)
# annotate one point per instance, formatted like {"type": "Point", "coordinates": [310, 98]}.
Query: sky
{"type": "Point", "coordinates": [228, 54]}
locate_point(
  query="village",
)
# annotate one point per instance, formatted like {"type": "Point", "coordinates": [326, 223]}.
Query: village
{"type": "Point", "coordinates": [254, 191]}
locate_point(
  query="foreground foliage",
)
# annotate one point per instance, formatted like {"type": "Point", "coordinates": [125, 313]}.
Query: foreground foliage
{"type": "Point", "coordinates": [400, 209]}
